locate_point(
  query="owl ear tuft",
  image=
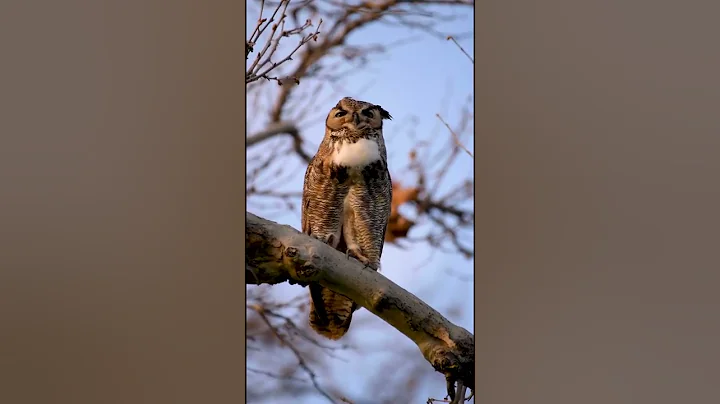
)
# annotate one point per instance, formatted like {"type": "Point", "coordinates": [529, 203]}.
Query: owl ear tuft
{"type": "Point", "coordinates": [384, 114]}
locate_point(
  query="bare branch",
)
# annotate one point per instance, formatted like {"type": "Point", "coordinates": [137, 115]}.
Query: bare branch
{"type": "Point", "coordinates": [280, 128]}
{"type": "Point", "coordinates": [455, 136]}
{"type": "Point", "coordinates": [348, 19]}
{"type": "Point", "coordinates": [274, 129]}
{"type": "Point", "coordinates": [273, 375]}
{"type": "Point", "coordinates": [264, 56]}
{"type": "Point", "coordinates": [451, 38]}
{"type": "Point", "coordinates": [278, 253]}
{"type": "Point", "coordinates": [301, 360]}
{"type": "Point", "coordinates": [264, 74]}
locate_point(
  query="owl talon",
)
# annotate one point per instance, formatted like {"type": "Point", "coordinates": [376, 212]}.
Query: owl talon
{"type": "Point", "coordinates": [327, 239]}
{"type": "Point", "coordinates": [352, 252]}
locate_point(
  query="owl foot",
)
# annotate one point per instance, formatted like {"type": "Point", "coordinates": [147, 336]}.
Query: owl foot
{"type": "Point", "coordinates": [355, 253]}
{"type": "Point", "coordinates": [329, 239]}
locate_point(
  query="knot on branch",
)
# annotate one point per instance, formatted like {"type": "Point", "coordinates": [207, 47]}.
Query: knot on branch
{"type": "Point", "coordinates": [442, 360]}
{"type": "Point", "coordinates": [306, 272]}
{"type": "Point", "coordinates": [454, 367]}
{"type": "Point", "coordinates": [380, 301]}
{"type": "Point", "coordinates": [300, 269]}
{"type": "Point", "coordinates": [291, 252]}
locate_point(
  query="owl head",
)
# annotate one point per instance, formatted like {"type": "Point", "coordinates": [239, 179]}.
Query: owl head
{"type": "Point", "coordinates": [355, 117]}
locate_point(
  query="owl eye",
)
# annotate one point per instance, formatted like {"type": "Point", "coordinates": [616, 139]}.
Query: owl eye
{"type": "Point", "coordinates": [368, 113]}
{"type": "Point", "coordinates": [340, 113]}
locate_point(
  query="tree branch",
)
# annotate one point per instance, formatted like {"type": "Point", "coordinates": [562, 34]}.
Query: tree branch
{"type": "Point", "coordinates": [348, 19]}
{"type": "Point", "coordinates": [276, 253]}
{"type": "Point", "coordinates": [280, 128]}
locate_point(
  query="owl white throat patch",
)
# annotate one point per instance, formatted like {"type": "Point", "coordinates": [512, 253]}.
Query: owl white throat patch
{"type": "Point", "coordinates": [358, 154]}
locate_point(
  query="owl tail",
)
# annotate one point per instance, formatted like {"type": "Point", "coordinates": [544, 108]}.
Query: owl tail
{"type": "Point", "coordinates": [330, 312]}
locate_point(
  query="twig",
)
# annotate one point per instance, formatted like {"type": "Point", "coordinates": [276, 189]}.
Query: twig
{"type": "Point", "coordinates": [275, 194]}
{"type": "Point", "coordinates": [455, 136]}
{"type": "Point", "coordinates": [259, 29]}
{"type": "Point", "coordinates": [273, 375]}
{"type": "Point", "coordinates": [301, 360]}
{"type": "Point", "coordinates": [280, 128]}
{"type": "Point", "coordinates": [265, 55]}
{"type": "Point", "coordinates": [452, 234]}
{"type": "Point", "coordinates": [290, 325]}
{"type": "Point", "coordinates": [287, 58]}
{"type": "Point", "coordinates": [250, 44]}
{"type": "Point", "coordinates": [450, 38]}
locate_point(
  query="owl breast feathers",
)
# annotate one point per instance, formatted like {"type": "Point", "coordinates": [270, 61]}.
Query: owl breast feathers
{"type": "Point", "coordinates": [346, 201]}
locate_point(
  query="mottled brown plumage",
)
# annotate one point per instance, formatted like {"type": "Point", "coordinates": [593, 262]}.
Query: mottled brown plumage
{"type": "Point", "coordinates": [346, 201]}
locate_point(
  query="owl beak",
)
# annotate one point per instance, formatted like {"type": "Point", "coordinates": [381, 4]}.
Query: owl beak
{"type": "Point", "coordinates": [356, 118]}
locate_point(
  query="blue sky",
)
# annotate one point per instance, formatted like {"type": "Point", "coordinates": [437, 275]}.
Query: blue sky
{"type": "Point", "coordinates": [415, 81]}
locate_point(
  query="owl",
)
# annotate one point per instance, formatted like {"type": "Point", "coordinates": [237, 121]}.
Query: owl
{"type": "Point", "coordinates": [346, 201]}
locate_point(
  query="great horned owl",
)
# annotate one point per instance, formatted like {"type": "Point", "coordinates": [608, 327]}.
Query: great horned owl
{"type": "Point", "coordinates": [346, 201]}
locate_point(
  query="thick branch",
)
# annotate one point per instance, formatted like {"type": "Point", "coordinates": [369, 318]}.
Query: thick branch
{"type": "Point", "coordinates": [276, 253]}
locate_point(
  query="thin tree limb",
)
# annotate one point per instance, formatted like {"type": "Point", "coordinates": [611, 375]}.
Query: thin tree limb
{"type": "Point", "coordinates": [450, 38]}
{"type": "Point", "coordinates": [280, 128]}
{"type": "Point", "coordinates": [301, 360]}
{"type": "Point", "coordinates": [455, 136]}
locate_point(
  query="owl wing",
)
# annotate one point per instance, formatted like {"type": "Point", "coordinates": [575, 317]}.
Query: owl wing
{"type": "Point", "coordinates": [322, 202]}
{"type": "Point", "coordinates": [371, 211]}
{"type": "Point", "coordinates": [382, 182]}
{"type": "Point", "coordinates": [383, 195]}
{"type": "Point", "coordinates": [321, 217]}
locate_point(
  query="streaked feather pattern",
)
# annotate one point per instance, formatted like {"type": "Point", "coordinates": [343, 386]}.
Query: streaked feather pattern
{"type": "Point", "coordinates": [347, 205]}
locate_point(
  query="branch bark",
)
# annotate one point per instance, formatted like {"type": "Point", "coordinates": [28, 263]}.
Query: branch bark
{"type": "Point", "coordinates": [277, 253]}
